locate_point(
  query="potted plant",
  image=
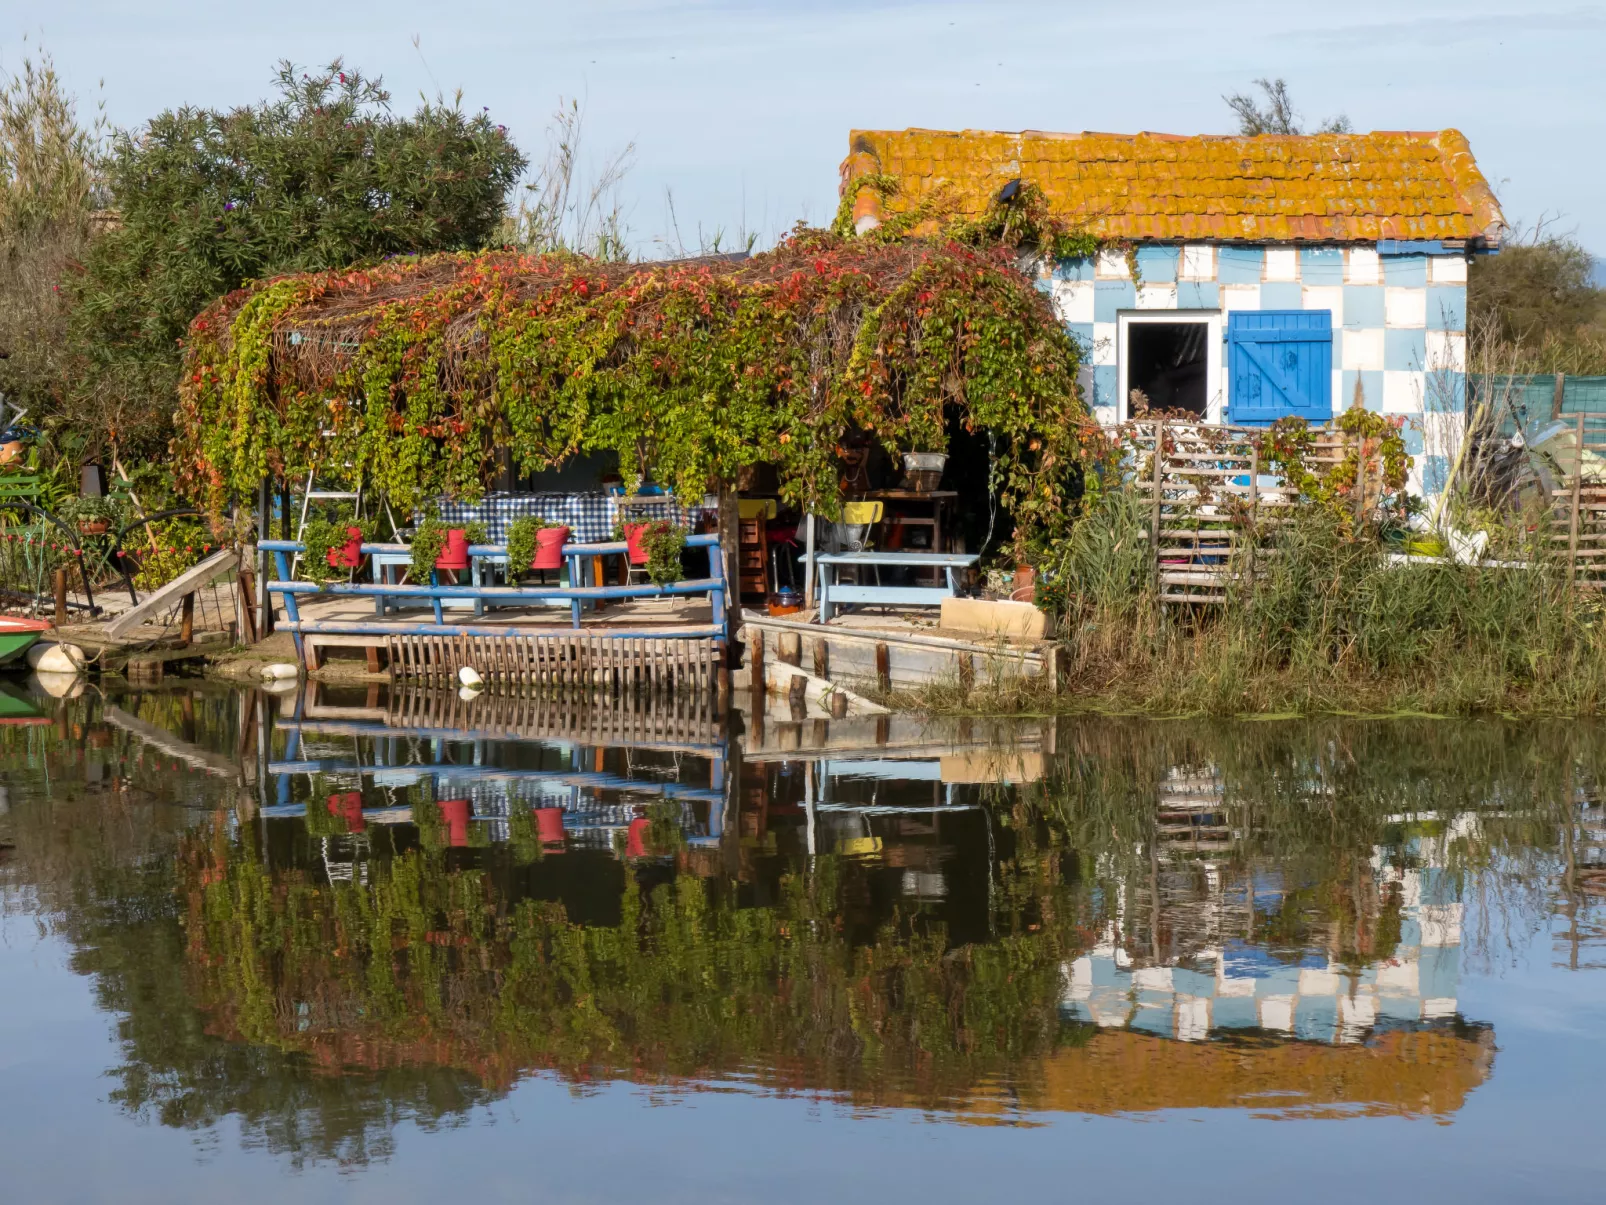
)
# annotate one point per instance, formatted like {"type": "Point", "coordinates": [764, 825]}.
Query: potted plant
{"type": "Point", "coordinates": [533, 543]}
{"type": "Point", "coordinates": [437, 546]}
{"type": "Point", "coordinates": [636, 542]}
{"type": "Point", "coordinates": [94, 516]}
{"type": "Point", "coordinates": [663, 543]}
{"type": "Point", "coordinates": [332, 548]}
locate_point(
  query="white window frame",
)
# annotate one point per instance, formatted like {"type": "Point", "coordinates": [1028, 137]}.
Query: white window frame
{"type": "Point", "coordinates": [1215, 398]}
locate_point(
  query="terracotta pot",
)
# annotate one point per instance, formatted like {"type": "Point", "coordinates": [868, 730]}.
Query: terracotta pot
{"type": "Point", "coordinates": [1025, 584]}
{"type": "Point", "coordinates": [11, 450]}
{"type": "Point", "coordinates": [455, 813]}
{"type": "Point", "coordinates": [636, 542]}
{"type": "Point", "coordinates": [454, 554]}
{"type": "Point", "coordinates": [94, 527]}
{"type": "Point", "coordinates": [349, 554]}
{"type": "Point", "coordinates": [549, 542]}
{"type": "Point", "coordinates": [549, 825]}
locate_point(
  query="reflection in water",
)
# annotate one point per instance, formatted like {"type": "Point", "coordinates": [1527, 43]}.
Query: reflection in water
{"type": "Point", "coordinates": [323, 917]}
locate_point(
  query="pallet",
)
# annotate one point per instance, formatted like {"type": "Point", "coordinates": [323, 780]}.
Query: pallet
{"type": "Point", "coordinates": [568, 658]}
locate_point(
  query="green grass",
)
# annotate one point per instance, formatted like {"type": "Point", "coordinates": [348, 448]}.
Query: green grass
{"type": "Point", "coordinates": [1329, 626]}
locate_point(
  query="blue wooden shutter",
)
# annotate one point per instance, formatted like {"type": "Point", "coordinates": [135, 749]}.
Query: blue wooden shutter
{"type": "Point", "coordinates": [1279, 362]}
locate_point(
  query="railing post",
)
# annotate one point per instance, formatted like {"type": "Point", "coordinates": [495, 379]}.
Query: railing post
{"type": "Point", "coordinates": [1572, 518]}
{"type": "Point", "coordinates": [1159, 479]}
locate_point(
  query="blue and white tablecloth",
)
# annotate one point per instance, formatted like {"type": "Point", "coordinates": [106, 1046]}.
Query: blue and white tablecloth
{"type": "Point", "coordinates": [590, 517]}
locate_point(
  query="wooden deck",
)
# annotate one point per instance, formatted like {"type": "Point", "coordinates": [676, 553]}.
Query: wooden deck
{"type": "Point", "coordinates": [615, 637]}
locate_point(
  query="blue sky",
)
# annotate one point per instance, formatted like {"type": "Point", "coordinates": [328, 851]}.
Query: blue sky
{"type": "Point", "coordinates": [741, 108]}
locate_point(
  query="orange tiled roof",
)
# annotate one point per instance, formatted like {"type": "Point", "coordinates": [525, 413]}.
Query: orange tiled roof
{"type": "Point", "coordinates": [1272, 188]}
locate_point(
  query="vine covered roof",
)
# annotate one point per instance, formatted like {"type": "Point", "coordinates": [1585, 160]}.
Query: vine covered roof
{"type": "Point", "coordinates": [1404, 185]}
{"type": "Point", "coordinates": [420, 375]}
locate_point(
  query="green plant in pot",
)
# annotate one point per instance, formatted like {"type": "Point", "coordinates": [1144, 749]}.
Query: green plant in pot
{"type": "Point", "coordinates": [93, 516]}
{"type": "Point", "coordinates": [664, 543]}
{"type": "Point", "coordinates": [439, 546]}
{"type": "Point", "coordinates": [533, 543]}
{"type": "Point", "coordinates": [332, 548]}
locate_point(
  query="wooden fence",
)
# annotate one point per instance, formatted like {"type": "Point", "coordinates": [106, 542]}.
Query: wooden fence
{"type": "Point", "coordinates": [1213, 504]}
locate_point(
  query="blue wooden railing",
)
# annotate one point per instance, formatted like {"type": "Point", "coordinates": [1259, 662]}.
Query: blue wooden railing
{"type": "Point", "coordinates": [578, 556]}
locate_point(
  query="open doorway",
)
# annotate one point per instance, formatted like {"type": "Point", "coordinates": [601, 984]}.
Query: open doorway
{"type": "Point", "coordinates": [1172, 361]}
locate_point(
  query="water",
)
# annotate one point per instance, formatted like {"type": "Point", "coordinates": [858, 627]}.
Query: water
{"type": "Point", "coordinates": [413, 948]}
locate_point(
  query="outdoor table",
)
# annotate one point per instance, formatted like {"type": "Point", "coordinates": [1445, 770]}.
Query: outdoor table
{"type": "Point", "coordinates": [833, 594]}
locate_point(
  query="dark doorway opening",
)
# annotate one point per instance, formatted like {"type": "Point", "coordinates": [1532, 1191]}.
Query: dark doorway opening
{"type": "Point", "coordinates": [1167, 362]}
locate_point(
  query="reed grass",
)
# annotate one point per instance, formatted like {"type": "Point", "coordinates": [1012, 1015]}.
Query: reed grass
{"type": "Point", "coordinates": [1326, 625]}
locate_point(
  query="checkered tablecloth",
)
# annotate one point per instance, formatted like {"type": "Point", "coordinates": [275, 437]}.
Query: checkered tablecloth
{"type": "Point", "coordinates": [590, 517]}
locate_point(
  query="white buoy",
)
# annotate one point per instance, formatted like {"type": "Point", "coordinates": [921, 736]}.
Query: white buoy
{"type": "Point", "coordinates": [470, 677]}
{"type": "Point", "coordinates": [280, 686]}
{"type": "Point", "coordinates": [280, 670]}
{"type": "Point", "coordinates": [60, 685]}
{"type": "Point", "coordinates": [57, 658]}
{"type": "Point", "coordinates": [468, 693]}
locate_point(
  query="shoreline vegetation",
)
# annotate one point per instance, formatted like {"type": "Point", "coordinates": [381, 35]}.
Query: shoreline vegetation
{"type": "Point", "coordinates": [1330, 626]}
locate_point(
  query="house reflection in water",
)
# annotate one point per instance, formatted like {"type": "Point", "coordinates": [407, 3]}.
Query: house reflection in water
{"type": "Point", "coordinates": [1218, 977]}
{"type": "Point", "coordinates": [848, 889]}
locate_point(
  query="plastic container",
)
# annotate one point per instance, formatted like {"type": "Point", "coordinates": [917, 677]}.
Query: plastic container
{"type": "Point", "coordinates": [454, 553]}
{"type": "Point", "coordinates": [922, 471]}
{"type": "Point", "coordinates": [636, 542]}
{"type": "Point", "coordinates": [549, 542]}
{"type": "Point", "coordinates": [349, 554]}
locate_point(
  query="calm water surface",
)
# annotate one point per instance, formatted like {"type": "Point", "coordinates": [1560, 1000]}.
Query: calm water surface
{"type": "Point", "coordinates": [405, 947]}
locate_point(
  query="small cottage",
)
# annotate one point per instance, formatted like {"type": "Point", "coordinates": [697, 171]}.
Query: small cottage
{"type": "Point", "coordinates": [1247, 278]}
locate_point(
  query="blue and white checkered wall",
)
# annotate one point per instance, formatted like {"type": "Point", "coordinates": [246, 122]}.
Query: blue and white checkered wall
{"type": "Point", "coordinates": [1399, 324]}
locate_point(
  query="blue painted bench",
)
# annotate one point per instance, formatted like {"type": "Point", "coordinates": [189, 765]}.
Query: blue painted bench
{"type": "Point", "coordinates": [834, 594]}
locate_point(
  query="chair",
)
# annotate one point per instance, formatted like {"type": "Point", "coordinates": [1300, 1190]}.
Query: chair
{"type": "Point", "coordinates": [852, 534]}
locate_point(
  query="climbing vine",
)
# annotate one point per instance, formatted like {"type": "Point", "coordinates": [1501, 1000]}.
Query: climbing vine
{"type": "Point", "coordinates": [416, 376]}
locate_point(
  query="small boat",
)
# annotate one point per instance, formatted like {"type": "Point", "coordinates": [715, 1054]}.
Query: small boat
{"type": "Point", "coordinates": [17, 636]}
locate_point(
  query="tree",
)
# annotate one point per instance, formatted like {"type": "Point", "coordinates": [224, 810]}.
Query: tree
{"type": "Point", "coordinates": [1277, 114]}
{"type": "Point", "coordinates": [322, 176]}
{"type": "Point", "coordinates": [50, 189]}
{"type": "Point", "coordinates": [1533, 307]}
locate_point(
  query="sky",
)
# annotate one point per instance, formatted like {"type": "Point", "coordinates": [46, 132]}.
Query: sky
{"type": "Point", "coordinates": [739, 110]}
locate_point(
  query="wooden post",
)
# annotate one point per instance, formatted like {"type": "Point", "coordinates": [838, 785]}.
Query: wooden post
{"type": "Point", "coordinates": [795, 697]}
{"type": "Point", "coordinates": [1159, 477]}
{"type": "Point", "coordinates": [264, 573]}
{"type": "Point", "coordinates": [755, 666]}
{"type": "Point", "coordinates": [1559, 396]}
{"type": "Point", "coordinates": [1572, 517]}
{"type": "Point", "coordinates": [1360, 481]}
{"type": "Point", "coordinates": [1254, 505]}
{"type": "Point", "coordinates": [61, 598]}
{"type": "Point", "coordinates": [247, 606]}
{"type": "Point", "coordinates": [808, 563]}
{"type": "Point", "coordinates": [790, 648]}
{"type": "Point", "coordinates": [730, 544]}
{"type": "Point", "coordinates": [186, 621]}
{"type": "Point", "coordinates": [822, 658]}
{"type": "Point", "coordinates": [883, 667]}
{"type": "Point", "coordinates": [839, 704]}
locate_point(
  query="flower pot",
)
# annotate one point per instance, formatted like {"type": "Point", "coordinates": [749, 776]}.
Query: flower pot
{"type": "Point", "coordinates": [348, 806]}
{"type": "Point", "coordinates": [636, 542]}
{"type": "Point", "coordinates": [455, 813]}
{"type": "Point", "coordinates": [11, 450]}
{"type": "Point", "coordinates": [94, 527]}
{"type": "Point", "coordinates": [549, 825]}
{"type": "Point", "coordinates": [1024, 587]}
{"type": "Point", "coordinates": [636, 837]}
{"type": "Point", "coordinates": [349, 554]}
{"type": "Point", "coordinates": [454, 553]}
{"type": "Point", "coordinates": [549, 542]}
